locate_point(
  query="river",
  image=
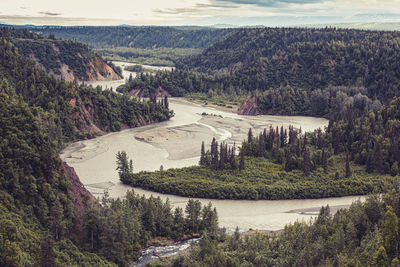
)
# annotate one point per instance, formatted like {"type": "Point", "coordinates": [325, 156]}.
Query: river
{"type": "Point", "coordinates": [176, 143]}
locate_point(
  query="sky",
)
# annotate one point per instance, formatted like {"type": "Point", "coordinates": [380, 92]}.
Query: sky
{"type": "Point", "coordinates": [197, 12]}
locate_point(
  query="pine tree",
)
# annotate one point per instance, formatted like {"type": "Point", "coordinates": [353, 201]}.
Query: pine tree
{"type": "Point", "coordinates": [222, 156]}
{"type": "Point", "coordinates": [261, 146]}
{"type": "Point", "coordinates": [47, 251]}
{"type": "Point", "coordinates": [123, 166]}
{"type": "Point", "coordinates": [390, 233]}
{"type": "Point", "coordinates": [306, 163]}
{"type": "Point", "coordinates": [378, 159]}
{"type": "Point", "coordinates": [241, 164]}
{"type": "Point", "coordinates": [233, 159]}
{"type": "Point", "coordinates": [202, 155]}
{"type": "Point", "coordinates": [348, 171]}
{"type": "Point", "coordinates": [166, 104]}
{"type": "Point", "coordinates": [381, 258]}
{"type": "Point", "coordinates": [250, 136]}
{"type": "Point", "coordinates": [370, 162]}
{"type": "Point", "coordinates": [324, 160]}
{"type": "Point", "coordinates": [193, 212]}
{"type": "Point", "coordinates": [214, 156]}
{"type": "Point", "coordinates": [395, 169]}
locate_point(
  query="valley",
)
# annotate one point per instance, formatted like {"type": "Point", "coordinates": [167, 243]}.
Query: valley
{"type": "Point", "coordinates": [267, 146]}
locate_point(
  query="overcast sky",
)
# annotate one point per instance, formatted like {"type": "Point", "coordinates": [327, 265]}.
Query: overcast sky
{"type": "Point", "coordinates": [200, 12]}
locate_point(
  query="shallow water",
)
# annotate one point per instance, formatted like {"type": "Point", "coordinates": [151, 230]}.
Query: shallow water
{"type": "Point", "coordinates": [179, 146]}
{"type": "Point", "coordinates": [153, 253]}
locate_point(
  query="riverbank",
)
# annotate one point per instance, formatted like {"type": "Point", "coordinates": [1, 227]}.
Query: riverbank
{"type": "Point", "coordinates": [262, 179]}
{"type": "Point", "coordinates": [88, 155]}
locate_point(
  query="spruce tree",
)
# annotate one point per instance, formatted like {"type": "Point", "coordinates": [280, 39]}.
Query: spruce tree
{"type": "Point", "coordinates": [166, 104]}
{"type": "Point", "coordinates": [348, 171]}
{"type": "Point", "coordinates": [250, 136]}
{"type": "Point", "coordinates": [381, 258]}
{"type": "Point", "coordinates": [47, 251]}
{"type": "Point", "coordinates": [202, 155]}
{"type": "Point", "coordinates": [241, 164]}
{"type": "Point", "coordinates": [233, 160]}
{"type": "Point", "coordinates": [306, 163]}
{"type": "Point", "coordinates": [395, 169]}
{"type": "Point", "coordinates": [324, 160]}
{"type": "Point", "coordinates": [390, 233]}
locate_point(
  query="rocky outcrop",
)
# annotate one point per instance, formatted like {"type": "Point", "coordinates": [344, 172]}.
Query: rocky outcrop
{"type": "Point", "coordinates": [161, 92]}
{"type": "Point", "coordinates": [67, 60]}
{"type": "Point", "coordinates": [250, 107]}
{"type": "Point", "coordinates": [95, 68]}
{"type": "Point", "coordinates": [81, 196]}
{"type": "Point", "coordinates": [84, 114]}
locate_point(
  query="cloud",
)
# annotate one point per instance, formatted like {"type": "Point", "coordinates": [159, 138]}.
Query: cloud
{"type": "Point", "coordinates": [48, 13]}
{"type": "Point", "coordinates": [197, 9]}
{"type": "Point", "coordinates": [269, 3]}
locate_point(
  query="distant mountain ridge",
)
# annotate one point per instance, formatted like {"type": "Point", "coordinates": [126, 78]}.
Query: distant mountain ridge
{"type": "Point", "coordinates": [137, 36]}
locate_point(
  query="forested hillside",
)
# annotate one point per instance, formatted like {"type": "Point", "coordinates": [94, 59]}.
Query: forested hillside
{"type": "Point", "coordinates": [291, 71]}
{"type": "Point", "coordinates": [68, 60]}
{"type": "Point", "coordinates": [72, 111]}
{"type": "Point", "coordinates": [47, 218]}
{"type": "Point", "coordinates": [364, 235]}
{"type": "Point", "coordinates": [138, 37]}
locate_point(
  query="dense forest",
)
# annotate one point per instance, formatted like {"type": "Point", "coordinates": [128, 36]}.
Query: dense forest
{"type": "Point", "coordinates": [367, 234]}
{"type": "Point", "coordinates": [72, 111]}
{"type": "Point", "coordinates": [347, 76]}
{"type": "Point", "coordinates": [162, 56]}
{"type": "Point", "coordinates": [137, 37]}
{"type": "Point", "coordinates": [291, 71]}
{"type": "Point", "coordinates": [40, 225]}
{"type": "Point", "coordinates": [358, 154]}
{"type": "Point", "coordinates": [65, 59]}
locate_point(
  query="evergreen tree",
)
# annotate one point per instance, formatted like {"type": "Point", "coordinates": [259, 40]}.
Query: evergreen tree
{"type": "Point", "coordinates": [241, 164]}
{"type": "Point", "coordinates": [222, 156]}
{"type": "Point", "coordinates": [214, 155]}
{"type": "Point", "coordinates": [123, 166]}
{"type": "Point", "coordinates": [394, 169]}
{"type": "Point", "coordinates": [202, 155]}
{"type": "Point", "coordinates": [193, 213]}
{"type": "Point", "coordinates": [47, 251]}
{"type": "Point", "coordinates": [381, 258]}
{"type": "Point", "coordinates": [324, 160]}
{"type": "Point", "coordinates": [250, 136]}
{"type": "Point", "coordinates": [233, 157]}
{"type": "Point", "coordinates": [178, 228]}
{"type": "Point", "coordinates": [166, 104]}
{"type": "Point", "coordinates": [348, 171]}
{"type": "Point", "coordinates": [306, 163]}
{"type": "Point", "coordinates": [390, 233]}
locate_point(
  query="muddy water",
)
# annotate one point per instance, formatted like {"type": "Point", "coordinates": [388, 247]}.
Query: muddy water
{"type": "Point", "coordinates": [125, 74]}
{"type": "Point", "coordinates": [176, 143]}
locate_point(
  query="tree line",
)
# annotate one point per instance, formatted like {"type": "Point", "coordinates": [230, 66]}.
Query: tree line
{"type": "Point", "coordinates": [366, 234]}
{"type": "Point", "coordinates": [118, 229]}
{"type": "Point", "coordinates": [40, 114]}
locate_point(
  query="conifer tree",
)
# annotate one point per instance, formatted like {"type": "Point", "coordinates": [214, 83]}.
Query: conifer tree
{"type": "Point", "coordinates": [47, 251]}
{"type": "Point", "coordinates": [381, 258]}
{"type": "Point", "coordinates": [166, 104]}
{"type": "Point", "coordinates": [306, 163]}
{"type": "Point", "coordinates": [324, 160]}
{"type": "Point", "coordinates": [348, 171]}
{"type": "Point", "coordinates": [390, 233]}
{"type": "Point", "coordinates": [202, 155]}
{"type": "Point", "coordinates": [241, 164]}
{"type": "Point", "coordinates": [250, 136]}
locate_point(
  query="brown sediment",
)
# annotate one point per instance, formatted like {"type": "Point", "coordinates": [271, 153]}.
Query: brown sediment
{"type": "Point", "coordinates": [81, 196]}
{"type": "Point", "coordinates": [250, 107]}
